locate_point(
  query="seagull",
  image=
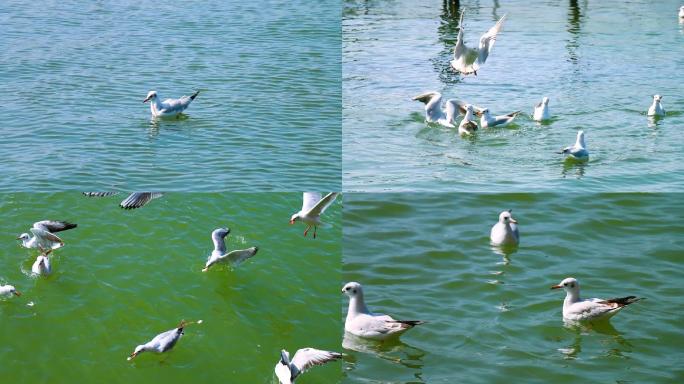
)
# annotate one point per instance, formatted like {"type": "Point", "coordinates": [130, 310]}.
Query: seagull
{"type": "Point", "coordinates": [8, 291]}
{"type": "Point", "coordinates": [363, 323]}
{"type": "Point", "coordinates": [579, 150]}
{"type": "Point", "coordinates": [304, 359]}
{"type": "Point", "coordinates": [656, 108]}
{"type": "Point", "coordinates": [219, 255]}
{"type": "Point", "coordinates": [576, 309]}
{"type": "Point", "coordinates": [42, 264]}
{"type": "Point", "coordinates": [681, 12]}
{"type": "Point", "coordinates": [133, 201]}
{"type": "Point", "coordinates": [541, 110]}
{"type": "Point", "coordinates": [435, 112]}
{"type": "Point", "coordinates": [505, 232]}
{"type": "Point", "coordinates": [487, 120]}
{"type": "Point", "coordinates": [164, 341]}
{"type": "Point", "coordinates": [43, 234]}
{"type": "Point", "coordinates": [469, 60]}
{"type": "Point", "coordinates": [168, 107]}
{"type": "Point", "coordinates": [468, 125]}
{"type": "Point", "coordinates": [312, 209]}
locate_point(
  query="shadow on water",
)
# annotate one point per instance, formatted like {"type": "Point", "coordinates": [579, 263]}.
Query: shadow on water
{"type": "Point", "coordinates": [575, 29]}
{"type": "Point", "coordinates": [447, 31]}
{"type": "Point", "coordinates": [574, 168]}
{"type": "Point", "coordinates": [616, 344]}
{"type": "Point", "coordinates": [393, 350]}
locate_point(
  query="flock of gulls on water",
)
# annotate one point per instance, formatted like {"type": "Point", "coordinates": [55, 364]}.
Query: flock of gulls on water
{"type": "Point", "coordinates": [468, 61]}
{"type": "Point", "coordinates": [43, 238]}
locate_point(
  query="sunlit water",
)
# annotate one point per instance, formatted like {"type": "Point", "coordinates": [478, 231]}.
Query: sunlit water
{"type": "Point", "coordinates": [492, 318]}
{"type": "Point", "coordinates": [125, 276]}
{"type": "Point", "coordinates": [598, 62]}
{"type": "Point", "coordinates": [74, 74]}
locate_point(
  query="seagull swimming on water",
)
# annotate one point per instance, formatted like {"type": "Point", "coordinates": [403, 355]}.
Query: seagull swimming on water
{"type": "Point", "coordinates": [488, 121]}
{"type": "Point", "coordinates": [541, 110]}
{"type": "Point", "coordinates": [576, 309]}
{"type": "Point", "coordinates": [363, 323]}
{"type": "Point", "coordinates": [42, 264]}
{"type": "Point", "coordinates": [656, 109]}
{"type": "Point", "coordinates": [168, 107]}
{"type": "Point", "coordinates": [288, 370]}
{"type": "Point", "coordinates": [164, 341]}
{"type": "Point", "coordinates": [219, 255]}
{"type": "Point", "coordinates": [43, 235]}
{"type": "Point", "coordinates": [468, 126]}
{"type": "Point", "coordinates": [313, 207]}
{"type": "Point", "coordinates": [133, 201]}
{"type": "Point", "coordinates": [505, 231]}
{"type": "Point", "coordinates": [9, 291]}
{"type": "Point", "coordinates": [469, 60]}
{"type": "Point", "coordinates": [579, 150]}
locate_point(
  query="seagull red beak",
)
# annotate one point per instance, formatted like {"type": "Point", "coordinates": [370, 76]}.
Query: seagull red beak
{"type": "Point", "coordinates": [146, 99]}
{"type": "Point", "coordinates": [514, 221]}
{"type": "Point", "coordinates": [292, 222]}
{"type": "Point", "coordinates": [556, 286]}
{"type": "Point", "coordinates": [17, 293]}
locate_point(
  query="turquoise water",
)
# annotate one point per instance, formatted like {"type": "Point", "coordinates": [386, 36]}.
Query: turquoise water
{"type": "Point", "coordinates": [125, 276]}
{"type": "Point", "coordinates": [598, 62]}
{"type": "Point", "coordinates": [74, 74]}
{"type": "Point", "coordinates": [492, 318]}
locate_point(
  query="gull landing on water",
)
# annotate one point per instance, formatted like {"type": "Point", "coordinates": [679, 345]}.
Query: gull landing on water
{"type": "Point", "coordinates": [288, 370]}
{"type": "Point", "coordinates": [435, 112]}
{"type": "Point", "coordinates": [505, 231]}
{"type": "Point", "coordinates": [313, 207]}
{"type": "Point", "coordinates": [363, 323]}
{"type": "Point", "coordinates": [219, 255]}
{"type": "Point", "coordinates": [579, 150]}
{"type": "Point", "coordinates": [133, 201]}
{"type": "Point", "coordinates": [164, 341]}
{"type": "Point", "coordinates": [469, 60]}
{"type": "Point", "coordinates": [168, 107]}
{"type": "Point", "coordinates": [9, 291]}
{"type": "Point", "coordinates": [576, 309]}
{"type": "Point", "coordinates": [541, 110]}
{"type": "Point", "coordinates": [656, 109]}
{"type": "Point", "coordinates": [43, 235]}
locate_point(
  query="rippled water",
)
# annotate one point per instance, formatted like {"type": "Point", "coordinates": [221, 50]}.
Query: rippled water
{"type": "Point", "coordinates": [598, 62]}
{"type": "Point", "coordinates": [125, 276]}
{"type": "Point", "coordinates": [74, 74]}
{"type": "Point", "coordinates": [493, 318]}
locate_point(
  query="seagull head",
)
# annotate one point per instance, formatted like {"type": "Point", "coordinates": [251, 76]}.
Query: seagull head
{"type": "Point", "coordinates": [294, 218]}
{"type": "Point", "coordinates": [352, 289]}
{"type": "Point", "coordinates": [657, 98]}
{"type": "Point", "coordinates": [151, 95]}
{"type": "Point", "coordinates": [505, 217]}
{"type": "Point", "coordinates": [545, 100]}
{"type": "Point", "coordinates": [485, 112]}
{"type": "Point", "coordinates": [12, 290]}
{"type": "Point", "coordinates": [569, 284]}
{"type": "Point", "coordinates": [221, 232]}
{"type": "Point", "coordinates": [24, 237]}
{"type": "Point", "coordinates": [580, 138]}
{"type": "Point", "coordinates": [137, 351]}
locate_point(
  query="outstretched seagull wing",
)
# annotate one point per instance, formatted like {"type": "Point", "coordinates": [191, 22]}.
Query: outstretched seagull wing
{"type": "Point", "coordinates": [99, 194]}
{"type": "Point", "coordinates": [461, 106]}
{"type": "Point", "coordinates": [488, 39]}
{"type": "Point", "coordinates": [138, 199]}
{"type": "Point", "coordinates": [323, 204]}
{"type": "Point", "coordinates": [53, 225]}
{"type": "Point", "coordinates": [306, 358]}
{"type": "Point", "coordinates": [310, 199]}
{"type": "Point", "coordinates": [238, 256]}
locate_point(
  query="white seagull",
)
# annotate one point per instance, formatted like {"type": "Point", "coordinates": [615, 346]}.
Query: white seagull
{"type": "Point", "coordinates": [487, 120]}
{"type": "Point", "coordinates": [576, 309]}
{"type": "Point", "coordinates": [9, 290]}
{"type": "Point", "coordinates": [288, 370]}
{"type": "Point", "coordinates": [541, 110]}
{"type": "Point", "coordinates": [468, 125]}
{"type": "Point", "coordinates": [168, 107]}
{"type": "Point", "coordinates": [133, 201]}
{"type": "Point", "coordinates": [681, 12]}
{"type": "Point", "coordinates": [656, 109]}
{"type": "Point", "coordinates": [164, 341]}
{"type": "Point", "coordinates": [579, 150]}
{"type": "Point", "coordinates": [219, 255]}
{"type": "Point", "coordinates": [469, 60]}
{"type": "Point", "coordinates": [363, 323]}
{"type": "Point", "coordinates": [312, 208]}
{"type": "Point", "coordinates": [435, 112]}
{"type": "Point", "coordinates": [505, 231]}
{"type": "Point", "coordinates": [42, 264]}
{"type": "Point", "coordinates": [43, 235]}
